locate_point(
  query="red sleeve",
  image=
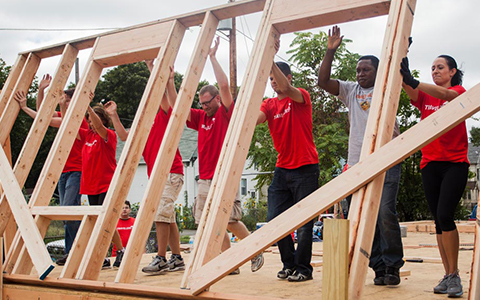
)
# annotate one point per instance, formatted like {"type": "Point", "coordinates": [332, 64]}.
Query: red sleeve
{"type": "Point", "coordinates": [111, 139]}
{"type": "Point", "coordinates": [264, 107]}
{"type": "Point", "coordinates": [306, 97]}
{"type": "Point", "coordinates": [459, 89]}
{"type": "Point", "coordinates": [195, 115]}
{"type": "Point", "coordinates": [229, 113]}
{"type": "Point", "coordinates": [83, 133]}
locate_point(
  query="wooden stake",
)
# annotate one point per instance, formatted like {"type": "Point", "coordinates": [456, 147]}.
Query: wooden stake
{"type": "Point", "coordinates": [335, 257]}
{"type": "Point", "coordinates": [384, 158]}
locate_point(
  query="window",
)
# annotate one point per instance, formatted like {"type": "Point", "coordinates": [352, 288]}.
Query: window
{"type": "Point", "coordinates": [243, 187]}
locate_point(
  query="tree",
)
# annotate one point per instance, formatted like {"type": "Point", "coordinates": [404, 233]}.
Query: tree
{"type": "Point", "coordinates": [475, 136]}
{"type": "Point", "coordinates": [125, 85]}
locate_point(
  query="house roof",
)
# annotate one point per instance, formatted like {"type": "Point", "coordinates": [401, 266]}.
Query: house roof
{"type": "Point", "coordinates": [473, 153]}
{"type": "Point", "coordinates": [187, 146]}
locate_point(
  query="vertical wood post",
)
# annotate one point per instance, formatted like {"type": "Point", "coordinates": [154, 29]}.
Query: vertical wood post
{"type": "Point", "coordinates": [335, 259]}
{"type": "Point", "coordinates": [474, 291]}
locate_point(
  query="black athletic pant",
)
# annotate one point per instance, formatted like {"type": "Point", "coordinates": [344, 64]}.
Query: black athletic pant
{"type": "Point", "coordinates": [96, 199]}
{"type": "Point", "coordinates": [444, 183]}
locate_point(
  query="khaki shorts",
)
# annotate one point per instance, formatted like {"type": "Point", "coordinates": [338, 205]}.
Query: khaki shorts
{"type": "Point", "coordinates": [166, 208]}
{"type": "Point", "coordinates": [203, 188]}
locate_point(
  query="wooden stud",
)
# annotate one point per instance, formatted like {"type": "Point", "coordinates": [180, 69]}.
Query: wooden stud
{"type": "Point", "coordinates": [1, 262]}
{"type": "Point", "coordinates": [233, 155]}
{"type": "Point", "coordinates": [66, 212]}
{"type": "Point", "coordinates": [335, 268]}
{"type": "Point", "coordinates": [379, 131]}
{"type": "Point", "coordinates": [12, 108]}
{"type": "Point", "coordinates": [78, 248]}
{"type": "Point", "coordinates": [32, 238]}
{"type": "Point", "coordinates": [381, 160]}
{"type": "Point", "coordinates": [39, 127]}
{"type": "Point", "coordinates": [131, 154]}
{"type": "Point", "coordinates": [24, 264]}
{"type": "Point", "coordinates": [161, 169]}
{"type": "Point", "coordinates": [11, 82]}
{"type": "Point", "coordinates": [289, 16]}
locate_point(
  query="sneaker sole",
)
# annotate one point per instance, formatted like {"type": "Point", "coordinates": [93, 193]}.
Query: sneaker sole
{"type": "Point", "coordinates": [152, 273]}
{"type": "Point", "coordinates": [176, 269]}
{"type": "Point", "coordinates": [458, 295]}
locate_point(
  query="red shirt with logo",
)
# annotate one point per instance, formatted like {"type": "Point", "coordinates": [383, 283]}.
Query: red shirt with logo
{"type": "Point", "coordinates": [290, 125]}
{"type": "Point", "coordinates": [124, 228]}
{"type": "Point", "coordinates": [74, 160]}
{"type": "Point", "coordinates": [155, 140]}
{"type": "Point", "coordinates": [451, 146]}
{"type": "Point", "coordinates": [211, 133]}
{"type": "Point", "coordinates": [98, 161]}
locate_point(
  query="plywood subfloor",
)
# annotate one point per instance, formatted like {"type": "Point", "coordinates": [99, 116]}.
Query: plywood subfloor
{"type": "Point", "coordinates": [264, 282]}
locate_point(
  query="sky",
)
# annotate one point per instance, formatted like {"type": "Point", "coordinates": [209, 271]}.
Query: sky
{"type": "Point", "coordinates": [439, 27]}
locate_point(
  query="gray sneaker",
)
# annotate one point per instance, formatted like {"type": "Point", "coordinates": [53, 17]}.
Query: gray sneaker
{"type": "Point", "coordinates": [175, 263]}
{"type": "Point", "coordinates": [257, 262]}
{"type": "Point", "coordinates": [442, 287]}
{"type": "Point", "coordinates": [455, 289]}
{"type": "Point", "coordinates": [157, 266]}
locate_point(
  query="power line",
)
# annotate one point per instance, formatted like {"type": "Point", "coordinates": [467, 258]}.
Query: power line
{"type": "Point", "coordinates": [56, 29]}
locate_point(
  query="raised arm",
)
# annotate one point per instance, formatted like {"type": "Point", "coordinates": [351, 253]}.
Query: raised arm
{"type": "Point", "coordinates": [221, 77]}
{"type": "Point", "coordinates": [111, 110]}
{"type": "Point", "coordinates": [171, 96]}
{"type": "Point", "coordinates": [324, 80]}
{"type": "Point", "coordinates": [412, 86]}
{"type": "Point", "coordinates": [97, 124]}
{"type": "Point", "coordinates": [21, 98]}
{"type": "Point", "coordinates": [44, 83]}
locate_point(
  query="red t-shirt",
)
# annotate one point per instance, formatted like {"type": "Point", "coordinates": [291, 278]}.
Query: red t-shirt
{"type": "Point", "coordinates": [155, 140]}
{"type": "Point", "coordinates": [451, 146]}
{"type": "Point", "coordinates": [211, 133]}
{"type": "Point", "coordinates": [74, 160]}
{"type": "Point", "coordinates": [98, 161]}
{"type": "Point", "coordinates": [290, 125]}
{"type": "Point", "coordinates": [124, 228]}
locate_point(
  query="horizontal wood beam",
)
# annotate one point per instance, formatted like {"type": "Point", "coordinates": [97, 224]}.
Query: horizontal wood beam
{"type": "Point", "coordinates": [195, 18]}
{"type": "Point", "coordinates": [345, 184]}
{"type": "Point", "coordinates": [66, 212]}
{"type": "Point", "coordinates": [290, 16]}
{"type": "Point", "coordinates": [124, 289]}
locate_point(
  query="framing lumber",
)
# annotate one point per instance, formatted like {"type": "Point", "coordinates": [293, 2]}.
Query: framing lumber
{"type": "Point", "coordinates": [123, 289]}
{"type": "Point", "coordinates": [387, 156]}
{"type": "Point", "coordinates": [335, 267]}
{"type": "Point", "coordinates": [11, 81]}
{"type": "Point", "coordinates": [39, 126]}
{"type": "Point", "coordinates": [32, 238]}
{"type": "Point", "coordinates": [195, 18]}
{"type": "Point", "coordinates": [12, 108]}
{"type": "Point", "coordinates": [289, 16]}
{"type": "Point", "coordinates": [78, 248]}
{"type": "Point", "coordinates": [166, 152]}
{"type": "Point", "coordinates": [66, 212]}
{"type": "Point", "coordinates": [233, 154]}
{"type": "Point", "coordinates": [103, 232]}
{"type": "Point", "coordinates": [379, 131]}
{"type": "Point", "coordinates": [474, 291]}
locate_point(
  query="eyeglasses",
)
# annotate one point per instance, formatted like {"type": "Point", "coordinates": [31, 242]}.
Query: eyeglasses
{"type": "Point", "coordinates": [207, 103]}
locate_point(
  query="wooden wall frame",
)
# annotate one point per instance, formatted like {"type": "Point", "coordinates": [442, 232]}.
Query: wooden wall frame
{"type": "Point", "coordinates": [131, 44]}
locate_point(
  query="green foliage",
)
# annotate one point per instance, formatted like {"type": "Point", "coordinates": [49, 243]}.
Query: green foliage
{"type": "Point", "coordinates": [184, 215]}
{"type": "Point", "coordinates": [125, 85]}
{"type": "Point", "coordinates": [254, 212]}
{"type": "Point", "coordinates": [475, 136]}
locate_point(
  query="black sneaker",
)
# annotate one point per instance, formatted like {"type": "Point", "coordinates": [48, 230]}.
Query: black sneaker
{"type": "Point", "coordinates": [298, 277]}
{"type": "Point", "coordinates": [392, 276]}
{"type": "Point", "coordinates": [176, 263]}
{"type": "Point", "coordinates": [235, 272]}
{"type": "Point", "coordinates": [62, 261]}
{"type": "Point", "coordinates": [284, 273]}
{"type": "Point", "coordinates": [157, 266]}
{"type": "Point", "coordinates": [118, 259]}
{"type": "Point", "coordinates": [106, 264]}
{"type": "Point", "coordinates": [379, 278]}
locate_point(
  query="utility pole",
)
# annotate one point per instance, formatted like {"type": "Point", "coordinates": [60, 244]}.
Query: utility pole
{"type": "Point", "coordinates": [233, 58]}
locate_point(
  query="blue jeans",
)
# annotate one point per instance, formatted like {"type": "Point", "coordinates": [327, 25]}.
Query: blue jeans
{"type": "Point", "coordinates": [69, 190]}
{"type": "Point", "coordinates": [288, 188]}
{"type": "Point", "coordinates": [387, 248]}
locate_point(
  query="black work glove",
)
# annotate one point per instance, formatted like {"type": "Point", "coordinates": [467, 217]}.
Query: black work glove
{"type": "Point", "coordinates": [407, 75]}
